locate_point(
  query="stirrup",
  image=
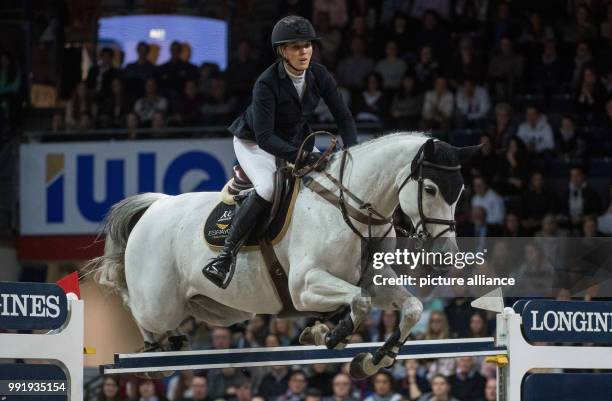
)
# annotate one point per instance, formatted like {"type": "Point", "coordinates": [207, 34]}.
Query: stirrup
{"type": "Point", "coordinates": [228, 276]}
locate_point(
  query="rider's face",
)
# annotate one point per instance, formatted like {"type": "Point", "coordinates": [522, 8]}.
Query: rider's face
{"type": "Point", "coordinates": [298, 55]}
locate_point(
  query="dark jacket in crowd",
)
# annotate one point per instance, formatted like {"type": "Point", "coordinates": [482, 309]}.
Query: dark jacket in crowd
{"type": "Point", "coordinates": [278, 121]}
{"type": "Point", "coordinates": [468, 388]}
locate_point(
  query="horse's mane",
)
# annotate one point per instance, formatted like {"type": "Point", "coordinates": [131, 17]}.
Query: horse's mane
{"type": "Point", "coordinates": [390, 137]}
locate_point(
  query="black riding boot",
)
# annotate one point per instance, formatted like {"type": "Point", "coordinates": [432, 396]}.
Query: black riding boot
{"type": "Point", "coordinates": [245, 219]}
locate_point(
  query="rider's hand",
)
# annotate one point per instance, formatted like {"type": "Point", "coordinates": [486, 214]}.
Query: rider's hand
{"type": "Point", "coordinates": [312, 157]}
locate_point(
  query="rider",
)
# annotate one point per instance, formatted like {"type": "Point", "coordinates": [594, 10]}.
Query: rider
{"type": "Point", "coordinates": [275, 124]}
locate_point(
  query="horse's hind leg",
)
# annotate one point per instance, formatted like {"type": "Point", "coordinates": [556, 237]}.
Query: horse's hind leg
{"type": "Point", "coordinates": [323, 291]}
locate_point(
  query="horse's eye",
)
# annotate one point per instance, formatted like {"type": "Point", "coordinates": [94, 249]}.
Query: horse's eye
{"type": "Point", "coordinates": [431, 191]}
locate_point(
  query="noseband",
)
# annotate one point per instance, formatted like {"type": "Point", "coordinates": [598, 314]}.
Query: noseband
{"type": "Point", "coordinates": [417, 173]}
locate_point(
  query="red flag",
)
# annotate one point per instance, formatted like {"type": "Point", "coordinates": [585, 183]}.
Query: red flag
{"type": "Point", "coordinates": [70, 283]}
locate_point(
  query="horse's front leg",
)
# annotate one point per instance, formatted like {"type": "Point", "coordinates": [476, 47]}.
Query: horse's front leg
{"type": "Point", "coordinates": [323, 292]}
{"type": "Point", "coordinates": [389, 298]}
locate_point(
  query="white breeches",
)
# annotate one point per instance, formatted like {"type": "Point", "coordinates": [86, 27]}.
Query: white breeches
{"type": "Point", "coordinates": [259, 166]}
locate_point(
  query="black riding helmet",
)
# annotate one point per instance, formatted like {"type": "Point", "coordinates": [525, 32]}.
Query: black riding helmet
{"type": "Point", "coordinates": [291, 29]}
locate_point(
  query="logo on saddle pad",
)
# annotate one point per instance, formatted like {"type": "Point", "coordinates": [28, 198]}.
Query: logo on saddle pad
{"type": "Point", "coordinates": [225, 220]}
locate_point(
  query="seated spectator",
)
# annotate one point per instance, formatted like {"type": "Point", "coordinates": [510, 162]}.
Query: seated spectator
{"type": "Point", "coordinates": [335, 10]}
{"type": "Point", "coordinates": [198, 389]}
{"type": "Point", "coordinates": [427, 67]}
{"type": "Point", "coordinates": [604, 222]}
{"type": "Point", "coordinates": [407, 104]}
{"type": "Point", "coordinates": [537, 201]}
{"type": "Point", "coordinates": [550, 228]}
{"type": "Point", "coordinates": [547, 73]}
{"type": "Point", "coordinates": [352, 70]}
{"type": "Point", "coordinates": [439, 106]}
{"type": "Point", "coordinates": [284, 329]}
{"type": "Point", "coordinates": [590, 95]}
{"type": "Point", "coordinates": [136, 74]}
{"type": "Point", "coordinates": [219, 108]}
{"type": "Point", "coordinates": [504, 24]}
{"type": "Point", "coordinates": [440, 390]}
{"type": "Point", "coordinates": [100, 76]}
{"type": "Point", "coordinates": [330, 41]}
{"type": "Point", "coordinates": [188, 110]}
{"type": "Point", "coordinates": [109, 391]}
{"type": "Point", "coordinates": [207, 72]}
{"type": "Point", "coordinates": [313, 394]}
{"type": "Point", "coordinates": [437, 327]}
{"type": "Point", "coordinates": [390, 9]}
{"type": "Point", "coordinates": [111, 110]}
{"type": "Point", "coordinates": [488, 199]}
{"type": "Point", "coordinates": [432, 32]}
{"type": "Point", "coordinates": [582, 28]}
{"type": "Point", "coordinates": [512, 169]}
{"type": "Point", "coordinates": [580, 199]}
{"type": "Point", "coordinates": [414, 383]}
{"type": "Point", "coordinates": [473, 104]}
{"type": "Point", "coordinates": [224, 382]}
{"type": "Point", "coordinates": [505, 69]}
{"type": "Point", "coordinates": [484, 163]}
{"type": "Point", "coordinates": [150, 103]}
{"type": "Point", "coordinates": [178, 388]}
{"type": "Point", "coordinates": [466, 63]}
{"type": "Point", "coordinates": [502, 128]}
{"type": "Point", "coordinates": [477, 226]}
{"type": "Point", "coordinates": [320, 377]}
{"type": "Point", "coordinates": [403, 35]}
{"type": "Point", "coordinates": [371, 104]}
{"type": "Point", "coordinates": [297, 387]}
{"type": "Point", "coordinates": [391, 68]}
{"type": "Point", "coordinates": [535, 132]}
{"type": "Point", "coordinates": [491, 390]}
{"type": "Point", "coordinates": [383, 385]}
{"type": "Point", "coordinates": [275, 383]}
{"type": "Point", "coordinates": [467, 383]}
{"type": "Point", "coordinates": [389, 320]}
{"type": "Point", "coordinates": [80, 103]}
{"type": "Point", "coordinates": [512, 226]}
{"type": "Point", "coordinates": [589, 227]}
{"type": "Point", "coordinates": [582, 58]}
{"type": "Point", "coordinates": [147, 391]}
{"type": "Point", "coordinates": [535, 277]}
{"type": "Point", "coordinates": [244, 390]}
{"type": "Point", "coordinates": [570, 144]}
{"type": "Point", "coordinates": [358, 29]}
{"type": "Point", "coordinates": [243, 69]}
{"type": "Point", "coordinates": [173, 74]}
{"type": "Point", "coordinates": [536, 32]}
{"type": "Point", "coordinates": [478, 326]}
{"type": "Point", "coordinates": [158, 122]}
{"type": "Point", "coordinates": [341, 386]}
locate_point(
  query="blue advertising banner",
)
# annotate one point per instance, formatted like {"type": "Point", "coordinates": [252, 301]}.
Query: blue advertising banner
{"type": "Point", "coordinates": [567, 387]}
{"type": "Point", "coordinates": [571, 321]}
{"type": "Point", "coordinates": [35, 382]}
{"type": "Point", "coordinates": [30, 306]}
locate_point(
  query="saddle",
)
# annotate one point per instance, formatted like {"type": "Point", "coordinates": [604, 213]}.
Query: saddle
{"type": "Point", "coordinates": [273, 229]}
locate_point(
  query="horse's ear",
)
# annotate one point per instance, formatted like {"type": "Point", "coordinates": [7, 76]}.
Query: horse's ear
{"type": "Point", "coordinates": [429, 149]}
{"type": "Point", "coordinates": [468, 152]}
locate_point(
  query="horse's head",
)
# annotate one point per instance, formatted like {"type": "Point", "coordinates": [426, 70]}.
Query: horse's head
{"type": "Point", "coordinates": [429, 193]}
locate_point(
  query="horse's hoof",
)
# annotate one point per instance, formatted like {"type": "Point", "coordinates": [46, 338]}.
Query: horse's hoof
{"type": "Point", "coordinates": [362, 366]}
{"type": "Point", "coordinates": [154, 375]}
{"type": "Point", "coordinates": [314, 335]}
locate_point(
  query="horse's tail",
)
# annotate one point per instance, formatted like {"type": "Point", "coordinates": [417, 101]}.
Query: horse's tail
{"type": "Point", "coordinates": [109, 269]}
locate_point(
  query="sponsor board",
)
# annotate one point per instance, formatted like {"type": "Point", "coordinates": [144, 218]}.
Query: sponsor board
{"type": "Point", "coordinates": [29, 306]}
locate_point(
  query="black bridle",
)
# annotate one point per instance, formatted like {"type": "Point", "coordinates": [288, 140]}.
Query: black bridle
{"type": "Point", "coordinates": [417, 173]}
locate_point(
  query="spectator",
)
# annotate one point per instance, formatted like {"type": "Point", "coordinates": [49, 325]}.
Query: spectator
{"type": "Point", "coordinates": [80, 103]}
{"type": "Point", "coordinates": [512, 169]}
{"type": "Point", "coordinates": [207, 72]}
{"type": "Point", "coordinates": [272, 340]}
{"type": "Point", "coordinates": [178, 388]}
{"type": "Point", "coordinates": [85, 122]}
{"type": "Point", "coordinates": [437, 327]}
{"type": "Point", "coordinates": [407, 104]}
{"type": "Point", "coordinates": [173, 74]}
{"type": "Point", "coordinates": [421, 8]}
{"type": "Point", "coordinates": [537, 201]}
{"type": "Point", "coordinates": [477, 225]}
{"type": "Point", "coordinates": [589, 227]}
{"type": "Point", "coordinates": [335, 10]}
{"type": "Point", "coordinates": [296, 390]}
{"type": "Point", "coordinates": [414, 384]}
{"type": "Point", "coordinates": [284, 329]}
{"type": "Point", "coordinates": [198, 389]}
{"type": "Point", "coordinates": [604, 222]}
{"type": "Point", "coordinates": [440, 390]}
{"type": "Point", "coordinates": [478, 326]}
{"type": "Point", "coordinates": [111, 110]}
{"type": "Point", "coordinates": [313, 394]}
{"type": "Point", "coordinates": [353, 70]}
{"type": "Point", "coordinates": [488, 199]}
{"type": "Point", "coordinates": [341, 386]}
{"type": "Point", "coordinates": [275, 383]}
{"type": "Point", "coordinates": [466, 64]}
{"type": "Point", "coordinates": [503, 25]}
{"type": "Point", "coordinates": [467, 383]}
{"type": "Point", "coordinates": [243, 69]}
{"type": "Point", "coordinates": [321, 379]}
{"type": "Point", "coordinates": [382, 383]}
{"type": "Point", "coordinates": [402, 34]}
{"type": "Point", "coordinates": [491, 390]}
{"type": "Point", "coordinates": [547, 72]}
{"type": "Point", "coordinates": [535, 277]}
{"type": "Point", "coordinates": [391, 67]}
{"type": "Point", "coordinates": [100, 76]}
{"type": "Point", "coordinates": [137, 73]}
{"type": "Point", "coordinates": [148, 392]}
{"type": "Point", "coordinates": [505, 69]}
{"type": "Point", "coordinates": [358, 29]}
{"type": "Point", "coordinates": [151, 103]}
{"type": "Point", "coordinates": [581, 199]}
{"type": "Point", "coordinates": [590, 95]}
{"type": "Point", "coordinates": [466, 16]}
{"type": "Point", "coordinates": [473, 104]}
{"type": "Point", "coordinates": [109, 391]}
{"type": "Point", "coordinates": [502, 128]}
{"type": "Point", "coordinates": [582, 58]}
{"type": "Point", "coordinates": [550, 228]}
{"type": "Point", "coordinates": [389, 9]}
{"type": "Point", "coordinates": [389, 320]}
{"type": "Point", "coordinates": [535, 132]}
{"type": "Point", "coordinates": [331, 39]}
{"type": "Point", "coordinates": [58, 124]}
{"type": "Point", "coordinates": [188, 111]}
{"type": "Point", "coordinates": [439, 106]}
{"type": "Point", "coordinates": [219, 108]}
{"type": "Point", "coordinates": [484, 163]}
{"type": "Point", "coordinates": [158, 122]}
{"type": "Point", "coordinates": [244, 391]}
{"type": "Point", "coordinates": [512, 226]}
{"type": "Point", "coordinates": [224, 382]}
{"type": "Point", "coordinates": [582, 29]}
{"type": "Point", "coordinates": [427, 67]}
{"type": "Point", "coordinates": [536, 32]}
{"type": "Point", "coordinates": [221, 338]}
{"type": "Point", "coordinates": [570, 145]}
{"type": "Point", "coordinates": [371, 104]}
